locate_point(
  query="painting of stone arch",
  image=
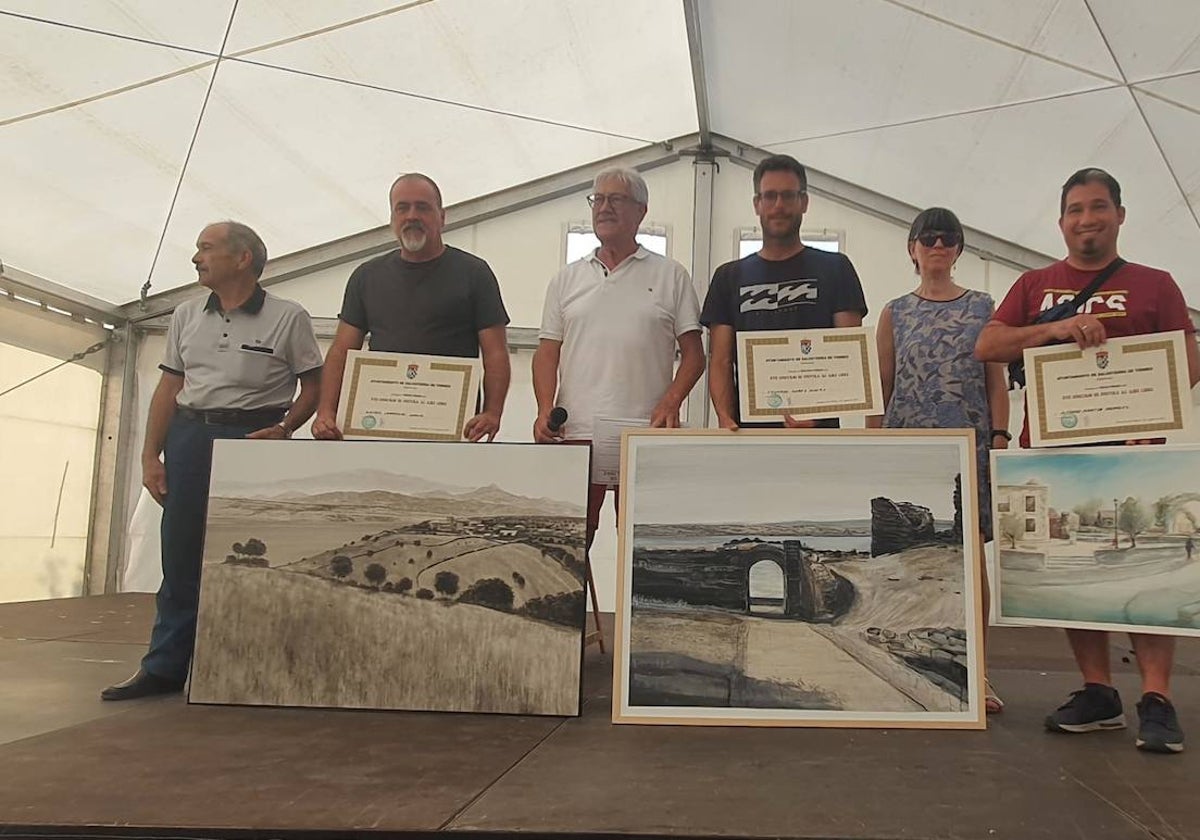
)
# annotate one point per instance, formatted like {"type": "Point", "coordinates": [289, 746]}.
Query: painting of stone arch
{"type": "Point", "coordinates": [393, 575]}
{"type": "Point", "coordinates": [799, 578]}
{"type": "Point", "coordinates": [1100, 538]}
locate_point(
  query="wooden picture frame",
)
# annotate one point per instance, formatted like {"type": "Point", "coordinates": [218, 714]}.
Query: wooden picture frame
{"type": "Point", "coordinates": [799, 578]}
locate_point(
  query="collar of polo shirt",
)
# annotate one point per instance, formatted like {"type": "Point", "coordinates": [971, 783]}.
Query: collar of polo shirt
{"type": "Point", "coordinates": [252, 306]}
{"type": "Point", "coordinates": [640, 254]}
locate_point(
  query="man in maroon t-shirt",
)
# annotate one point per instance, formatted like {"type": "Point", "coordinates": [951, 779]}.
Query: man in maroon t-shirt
{"type": "Point", "coordinates": [1134, 301]}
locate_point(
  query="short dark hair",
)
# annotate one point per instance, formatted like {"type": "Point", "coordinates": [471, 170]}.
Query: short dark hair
{"type": "Point", "coordinates": [240, 237]}
{"type": "Point", "coordinates": [780, 163]}
{"type": "Point", "coordinates": [1089, 175]}
{"type": "Point", "coordinates": [939, 219]}
{"type": "Point", "coordinates": [421, 177]}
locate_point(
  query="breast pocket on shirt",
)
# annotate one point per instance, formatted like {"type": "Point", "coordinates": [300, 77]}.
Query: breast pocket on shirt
{"type": "Point", "coordinates": [254, 363]}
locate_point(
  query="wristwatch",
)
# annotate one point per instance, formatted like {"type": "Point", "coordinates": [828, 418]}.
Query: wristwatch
{"type": "Point", "coordinates": [1004, 433]}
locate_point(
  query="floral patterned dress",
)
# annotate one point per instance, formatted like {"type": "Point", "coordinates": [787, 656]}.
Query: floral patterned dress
{"type": "Point", "coordinates": [938, 382]}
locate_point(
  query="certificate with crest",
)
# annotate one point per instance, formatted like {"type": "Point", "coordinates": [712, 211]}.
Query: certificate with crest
{"type": "Point", "coordinates": [809, 374]}
{"type": "Point", "coordinates": [407, 396]}
{"type": "Point", "coordinates": [1125, 389]}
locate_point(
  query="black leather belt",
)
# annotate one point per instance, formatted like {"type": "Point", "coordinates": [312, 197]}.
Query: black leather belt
{"type": "Point", "coordinates": [258, 418]}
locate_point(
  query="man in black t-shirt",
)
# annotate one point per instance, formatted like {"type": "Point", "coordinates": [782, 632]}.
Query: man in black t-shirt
{"type": "Point", "coordinates": [785, 286]}
{"type": "Point", "coordinates": [425, 297]}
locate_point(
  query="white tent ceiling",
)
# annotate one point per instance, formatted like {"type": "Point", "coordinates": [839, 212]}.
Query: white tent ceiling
{"type": "Point", "coordinates": [125, 125]}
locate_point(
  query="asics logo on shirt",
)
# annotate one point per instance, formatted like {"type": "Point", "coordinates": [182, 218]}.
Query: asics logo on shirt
{"type": "Point", "coordinates": [771, 296]}
{"type": "Point", "coordinates": [1103, 304]}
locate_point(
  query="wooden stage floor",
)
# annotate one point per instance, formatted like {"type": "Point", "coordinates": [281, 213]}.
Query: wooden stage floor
{"type": "Point", "coordinates": [71, 766]}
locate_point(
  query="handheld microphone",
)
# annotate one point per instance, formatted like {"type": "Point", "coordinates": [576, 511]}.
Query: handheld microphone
{"type": "Point", "coordinates": [558, 416]}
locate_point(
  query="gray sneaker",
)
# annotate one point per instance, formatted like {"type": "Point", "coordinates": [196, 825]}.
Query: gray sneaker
{"type": "Point", "coordinates": [1159, 729]}
{"type": "Point", "coordinates": [1091, 708]}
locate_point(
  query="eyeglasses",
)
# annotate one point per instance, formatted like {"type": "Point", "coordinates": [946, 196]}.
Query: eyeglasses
{"type": "Point", "coordinates": [785, 197]}
{"type": "Point", "coordinates": [930, 238]}
{"type": "Point", "coordinates": [615, 200]}
{"type": "Point", "coordinates": [403, 207]}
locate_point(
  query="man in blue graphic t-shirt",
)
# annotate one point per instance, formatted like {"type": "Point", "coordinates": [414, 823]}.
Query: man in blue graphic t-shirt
{"type": "Point", "coordinates": [785, 286]}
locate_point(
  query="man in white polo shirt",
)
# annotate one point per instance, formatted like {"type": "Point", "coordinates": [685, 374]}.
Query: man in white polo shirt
{"type": "Point", "coordinates": [229, 371]}
{"type": "Point", "coordinates": [610, 325]}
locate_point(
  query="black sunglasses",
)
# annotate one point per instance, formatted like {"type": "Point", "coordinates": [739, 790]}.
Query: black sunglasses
{"type": "Point", "coordinates": [930, 237]}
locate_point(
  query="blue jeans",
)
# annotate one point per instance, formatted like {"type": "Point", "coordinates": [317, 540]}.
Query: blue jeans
{"type": "Point", "coordinates": [188, 459]}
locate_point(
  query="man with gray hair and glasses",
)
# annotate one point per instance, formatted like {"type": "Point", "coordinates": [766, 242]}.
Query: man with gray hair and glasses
{"type": "Point", "coordinates": [610, 325]}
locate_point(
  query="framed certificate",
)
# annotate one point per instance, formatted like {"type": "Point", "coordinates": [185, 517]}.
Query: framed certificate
{"type": "Point", "coordinates": [808, 374]}
{"type": "Point", "coordinates": [407, 396]}
{"type": "Point", "coordinates": [1125, 389]}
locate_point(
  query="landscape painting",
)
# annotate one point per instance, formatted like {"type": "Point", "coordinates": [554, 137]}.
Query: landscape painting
{"type": "Point", "coordinates": [799, 578]}
{"type": "Point", "coordinates": [393, 575]}
{"type": "Point", "coordinates": [1101, 538]}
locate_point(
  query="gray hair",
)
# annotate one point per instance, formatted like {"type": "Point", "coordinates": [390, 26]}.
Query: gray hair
{"type": "Point", "coordinates": [632, 180]}
{"type": "Point", "coordinates": [240, 237]}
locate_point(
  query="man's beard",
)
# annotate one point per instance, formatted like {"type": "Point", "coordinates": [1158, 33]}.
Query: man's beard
{"type": "Point", "coordinates": [791, 229]}
{"type": "Point", "coordinates": [413, 239]}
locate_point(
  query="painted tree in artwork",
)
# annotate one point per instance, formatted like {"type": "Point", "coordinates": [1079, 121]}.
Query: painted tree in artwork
{"type": "Point", "coordinates": [1133, 519]}
{"type": "Point", "coordinates": [1011, 528]}
{"type": "Point", "coordinates": [375, 574]}
{"type": "Point", "coordinates": [254, 547]}
{"type": "Point", "coordinates": [1088, 511]}
{"type": "Point", "coordinates": [250, 553]}
{"type": "Point", "coordinates": [1161, 508]}
{"type": "Point", "coordinates": [446, 583]}
{"type": "Point", "coordinates": [489, 592]}
{"type": "Point", "coordinates": [341, 565]}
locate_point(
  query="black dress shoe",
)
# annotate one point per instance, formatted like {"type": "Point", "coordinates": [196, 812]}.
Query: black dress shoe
{"type": "Point", "coordinates": [141, 684]}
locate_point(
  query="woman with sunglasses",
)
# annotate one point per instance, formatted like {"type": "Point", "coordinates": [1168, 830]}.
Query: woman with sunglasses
{"type": "Point", "coordinates": [926, 358]}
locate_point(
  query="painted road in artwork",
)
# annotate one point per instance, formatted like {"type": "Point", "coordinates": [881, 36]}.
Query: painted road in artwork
{"type": "Point", "coordinates": [820, 580]}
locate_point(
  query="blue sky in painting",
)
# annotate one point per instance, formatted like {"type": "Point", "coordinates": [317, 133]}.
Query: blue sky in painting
{"type": "Point", "coordinates": [1074, 476]}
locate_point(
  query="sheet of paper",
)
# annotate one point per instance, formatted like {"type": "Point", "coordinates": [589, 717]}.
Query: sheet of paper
{"type": "Point", "coordinates": [606, 446]}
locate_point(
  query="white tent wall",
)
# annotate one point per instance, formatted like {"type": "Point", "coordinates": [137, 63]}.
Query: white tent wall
{"type": "Point", "coordinates": [48, 449]}
{"type": "Point", "coordinates": [139, 568]}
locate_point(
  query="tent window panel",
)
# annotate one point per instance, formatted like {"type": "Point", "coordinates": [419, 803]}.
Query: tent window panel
{"type": "Point", "coordinates": [748, 241]}
{"type": "Point", "coordinates": [48, 440]}
{"type": "Point", "coordinates": [581, 241]}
